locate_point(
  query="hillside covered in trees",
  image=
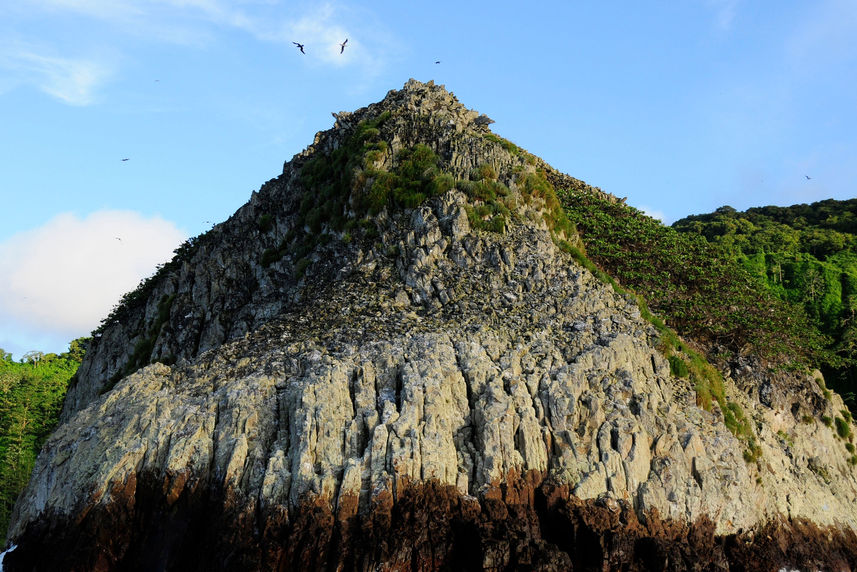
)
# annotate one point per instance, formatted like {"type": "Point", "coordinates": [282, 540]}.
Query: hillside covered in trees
{"type": "Point", "coordinates": [805, 255]}
{"type": "Point", "coordinates": [31, 396]}
{"type": "Point", "coordinates": [700, 288]}
{"type": "Point", "coordinates": [779, 282]}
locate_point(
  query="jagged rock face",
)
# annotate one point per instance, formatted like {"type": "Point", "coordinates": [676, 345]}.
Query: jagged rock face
{"type": "Point", "coordinates": [490, 368]}
{"type": "Point", "coordinates": [219, 289]}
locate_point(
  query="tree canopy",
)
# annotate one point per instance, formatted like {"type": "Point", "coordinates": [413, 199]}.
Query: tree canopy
{"type": "Point", "coordinates": [698, 285]}
{"type": "Point", "coordinates": [805, 255]}
{"type": "Point", "coordinates": [31, 396]}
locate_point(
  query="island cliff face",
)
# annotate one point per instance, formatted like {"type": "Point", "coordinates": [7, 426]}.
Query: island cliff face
{"type": "Point", "coordinates": [328, 380]}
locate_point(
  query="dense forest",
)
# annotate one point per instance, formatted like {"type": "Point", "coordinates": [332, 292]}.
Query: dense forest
{"type": "Point", "coordinates": [31, 396]}
{"type": "Point", "coordinates": [700, 287]}
{"type": "Point", "coordinates": [805, 255]}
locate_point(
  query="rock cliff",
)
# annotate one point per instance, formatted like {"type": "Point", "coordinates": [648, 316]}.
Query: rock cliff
{"type": "Point", "coordinates": [384, 360]}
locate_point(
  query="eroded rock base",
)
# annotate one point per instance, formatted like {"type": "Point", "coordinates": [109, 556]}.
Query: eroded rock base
{"type": "Point", "coordinates": [520, 525]}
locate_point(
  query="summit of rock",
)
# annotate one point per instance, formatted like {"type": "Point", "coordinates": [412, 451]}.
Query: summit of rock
{"type": "Point", "coordinates": [250, 268]}
{"type": "Point", "coordinates": [388, 357]}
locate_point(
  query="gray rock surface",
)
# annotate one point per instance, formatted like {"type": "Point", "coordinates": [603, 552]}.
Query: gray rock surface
{"type": "Point", "coordinates": [436, 352]}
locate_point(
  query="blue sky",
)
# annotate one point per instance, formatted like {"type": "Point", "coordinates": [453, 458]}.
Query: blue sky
{"type": "Point", "coordinates": [680, 106]}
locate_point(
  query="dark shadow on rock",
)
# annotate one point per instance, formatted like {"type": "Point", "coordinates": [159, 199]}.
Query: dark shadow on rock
{"type": "Point", "coordinates": [521, 524]}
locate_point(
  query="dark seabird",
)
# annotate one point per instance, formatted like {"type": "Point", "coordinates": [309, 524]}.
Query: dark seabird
{"type": "Point", "coordinates": [300, 47]}
{"type": "Point", "coordinates": [125, 159]}
{"type": "Point", "coordinates": [342, 46]}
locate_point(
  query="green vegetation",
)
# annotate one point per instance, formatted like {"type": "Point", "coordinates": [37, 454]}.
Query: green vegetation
{"type": "Point", "coordinates": [707, 381]}
{"type": "Point", "coordinates": [346, 186]}
{"type": "Point", "coordinates": [142, 355]}
{"type": "Point", "coordinates": [702, 292]}
{"type": "Point", "coordinates": [31, 396]}
{"type": "Point", "coordinates": [786, 438]}
{"type": "Point", "coordinates": [137, 298]}
{"type": "Point", "coordinates": [415, 177]}
{"type": "Point", "coordinates": [843, 428]}
{"type": "Point", "coordinates": [493, 202]}
{"type": "Point", "coordinates": [536, 186]}
{"type": "Point", "coordinates": [507, 145]}
{"type": "Point", "coordinates": [819, 470]}
{"type": "Point", "coordinates": [266, 223]}
{"type": "Point", "coordinates": [805, 255]}
{"type": "Point", "coordinates": [677, 367]}
{"type": "Point", "coordinates": [823, 386]}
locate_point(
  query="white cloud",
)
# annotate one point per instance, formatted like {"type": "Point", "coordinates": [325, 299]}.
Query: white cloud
{"type": "Point", "coordinates": [322, 34]}
{"type": "Point", "coordinates": [320, 27]}
{"type": "Point", "coordinates": [186, 21]}
{"type": "Point", "coordinates": [72, 80]}
{"type": "Point", "coordinates": [63, 278]}
{"type": "Point", "coordinates": [724, 12]}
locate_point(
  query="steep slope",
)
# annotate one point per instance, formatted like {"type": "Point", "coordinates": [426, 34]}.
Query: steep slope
{"type": "Point", "coordinates": [385, 360]}
{"type": "Point", "coordinates": [704, 292]}
{"type": "Point", "coordinates": [250, 268]}
{"type": "Point", "coordinates": [805, 254]}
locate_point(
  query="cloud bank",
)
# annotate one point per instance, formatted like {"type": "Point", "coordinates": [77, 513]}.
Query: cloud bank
{"type": "Point", "coordinates": [63, 278]}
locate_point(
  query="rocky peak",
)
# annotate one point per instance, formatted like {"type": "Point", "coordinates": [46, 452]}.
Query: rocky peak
{"type": "Point", "coordinates": [341, 200]}
{"type": "Point", "coordinates": [388, 355]}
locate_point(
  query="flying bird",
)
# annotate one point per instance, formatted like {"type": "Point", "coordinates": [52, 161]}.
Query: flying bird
{"type": "Point", "coordinates": [300, 47]}
{"type": "Point", "coordinates": [342, 46]}
{"type": "Point", "coordinates": [125, 159]}
{"type": "Point", "coordinates": [437, 61]}
{"type": "Point", "coordinates": [807, 177]}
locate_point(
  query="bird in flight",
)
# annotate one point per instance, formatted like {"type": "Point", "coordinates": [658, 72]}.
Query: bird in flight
{"type": "Point", "coordinates": [807, 177]}
{"type": "Point", "coordinates": [300, 47]}
{"type": "Point", "coordinates": [125, 159]}
{"type": "Point", "coordinates": [437, 62]}
{"type": "Point", "coordinates": [342, 46]}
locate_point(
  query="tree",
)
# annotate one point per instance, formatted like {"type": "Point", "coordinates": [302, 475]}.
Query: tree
{"type": "Point", "coordinates": [811, 260]}
{"type": "Point", "coordinates": [33, 357]}
{"type": "Point", "coordinates": [31, 396]}
{"type": "Point", "coordinates": [77, 349]}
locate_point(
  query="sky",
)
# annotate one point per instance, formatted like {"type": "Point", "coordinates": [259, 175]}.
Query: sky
{"type": "Point", "coordinates": [128, 126]}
